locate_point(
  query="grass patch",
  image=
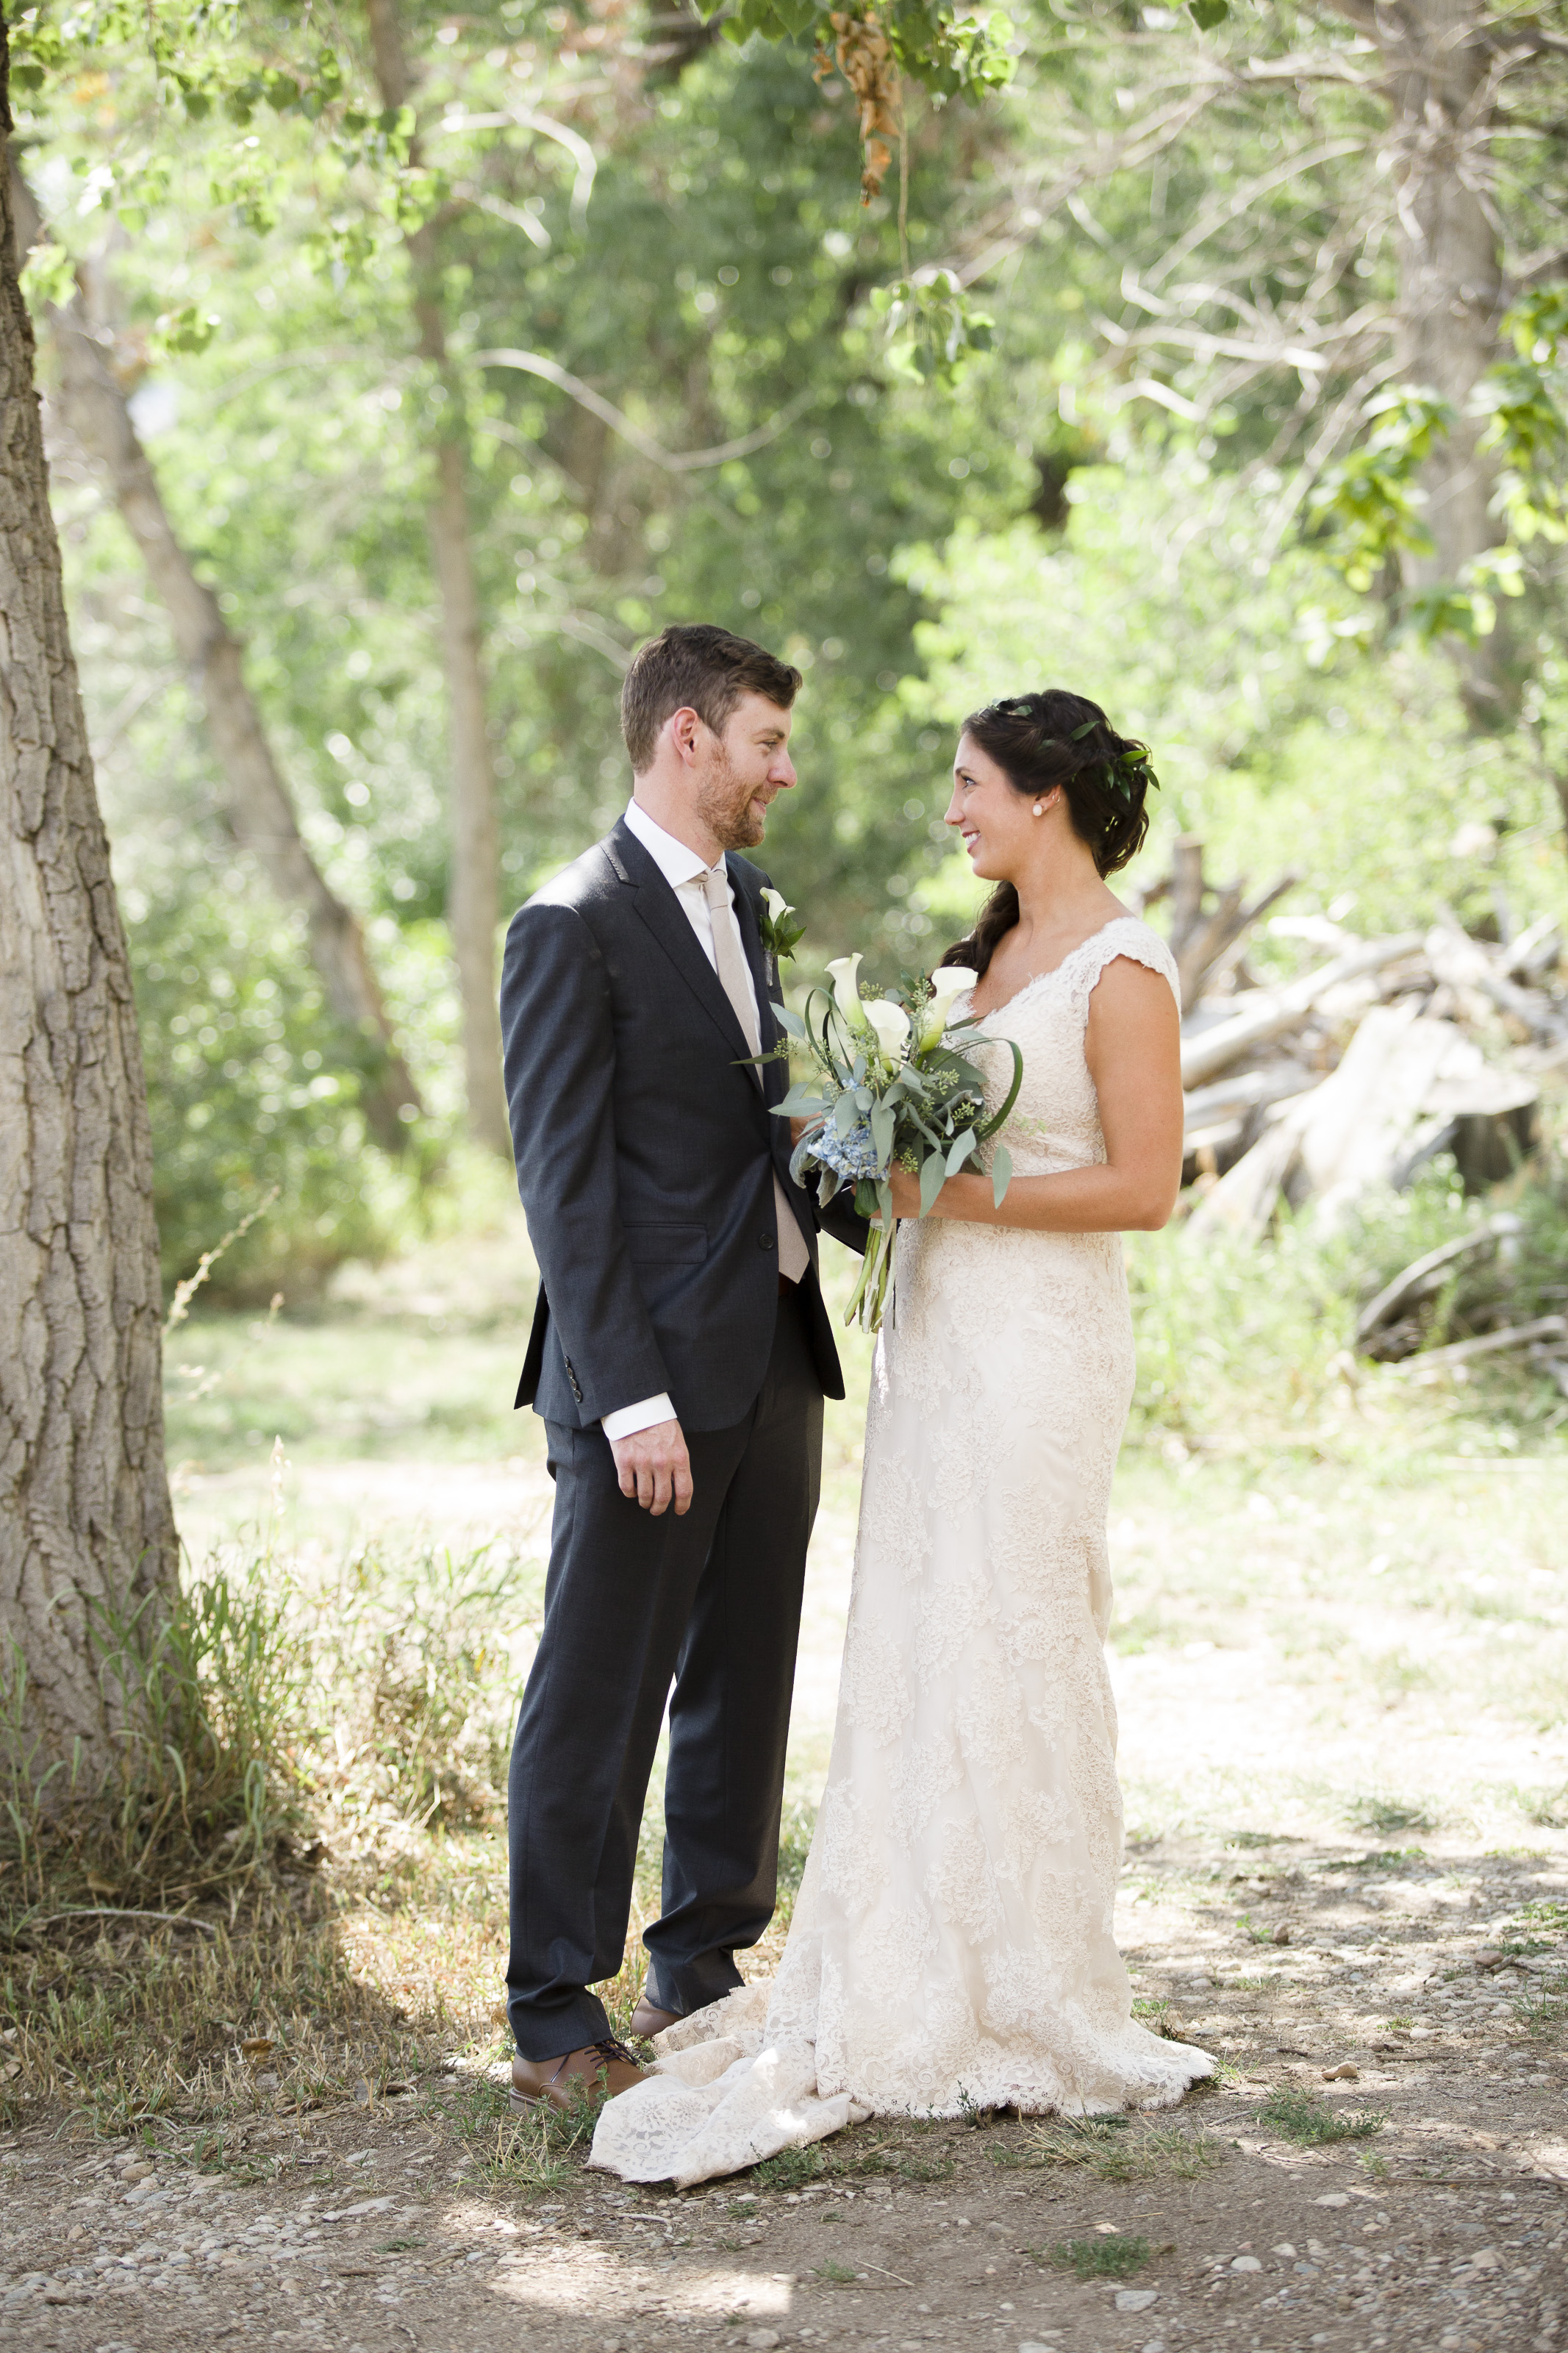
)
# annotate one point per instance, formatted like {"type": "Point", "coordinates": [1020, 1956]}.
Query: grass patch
{"type": "Point", "coordinates": [1383, 1816]}
{"type": "Point", "coordinates": [927, 2169]}
{"type": "Point", "coordinates": [838, 2274]}
{"type": "Point", "coordinates": [531, 2153]}
{"type": "Point", "coordinates": [1111, 2149]}
{"type": "Point", "coordinates": [1545, 1911]}
{"type": "Point", "coordinates": [1312, 2122]}
{"type": "Point", "coordinates": [1111, 2255]}
{"type": "Point", "coordinates": [792, 2168]}
{"type": "Point", "coordinates": [1545, 2014]}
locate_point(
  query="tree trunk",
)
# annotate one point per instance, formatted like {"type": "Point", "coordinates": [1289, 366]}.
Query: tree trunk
{"type": "Point", "coordinates": [1452, 294]}
{"type": "Point", "coordinates": [473, 903]}
{"type": "Point", "coordinates": [257, 807]}
{"type": "Point", "coordinates": [85, 1520]}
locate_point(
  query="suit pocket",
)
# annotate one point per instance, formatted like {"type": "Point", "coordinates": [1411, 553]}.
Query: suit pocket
{"type": "Point", "coordinates": [667, 1245]}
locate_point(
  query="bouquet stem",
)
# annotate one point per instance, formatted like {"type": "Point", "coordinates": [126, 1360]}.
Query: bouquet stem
{"type": "Point", "coordinates": [873, 1294]}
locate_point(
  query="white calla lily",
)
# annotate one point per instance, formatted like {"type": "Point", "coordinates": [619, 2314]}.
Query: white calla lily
{"type": "Point", "coordinates": [775, 903]}
{"type": "Point", "coordinates": [947, 984]}
{"type": "Point", "coordinates": [845, 972]}
{"type": "Point", "coordinates": [891, 1025]}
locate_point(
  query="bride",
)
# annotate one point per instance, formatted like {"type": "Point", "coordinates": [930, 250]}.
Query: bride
{"type": "Point", "coordinates": [952, 1943]}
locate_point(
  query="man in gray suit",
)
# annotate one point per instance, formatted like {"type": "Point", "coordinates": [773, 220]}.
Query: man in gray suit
{"type": "Point", "coordinates": [679, 1356]}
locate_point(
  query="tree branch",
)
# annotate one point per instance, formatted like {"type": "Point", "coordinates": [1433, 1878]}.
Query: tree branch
{"type": "Point", "coordinates": [689, 461]}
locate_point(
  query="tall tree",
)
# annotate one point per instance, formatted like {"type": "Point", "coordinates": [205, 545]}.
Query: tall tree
{"type": "Point", "coordinates": [1444, 70]}
{"type": "Point", "coordinates": [257, 805]}
{"type": "Point", "coordinates": [474, 890]}
{"type": "Point", "coordinates": [86, 1527]}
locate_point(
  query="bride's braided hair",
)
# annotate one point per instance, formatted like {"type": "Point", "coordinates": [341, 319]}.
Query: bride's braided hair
{"type": "Point", "coordinates": [1056, 738]}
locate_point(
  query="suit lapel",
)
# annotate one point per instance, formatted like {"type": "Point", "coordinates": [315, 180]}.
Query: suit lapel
{"type": "Point", "coordinates": [757, 964]}
{"type": "Point", "coordinates": [660, 910]}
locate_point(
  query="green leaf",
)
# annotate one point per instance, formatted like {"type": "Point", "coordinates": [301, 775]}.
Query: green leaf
{"type": "Point", "coordinates": [934, 1177]}
{"type": "Point", "coordinates": [963, 1145]}
{"type": "Point", "coordinates": [791, 1022]}
{"type": "Point", "coordinates": [1207, 14]}
{"type": "Point", "coordinates": [801, 1101]}
{"type": "Point", "coordinates": [882, 1127]}
{"type": "Point", "coordinates": [846, 1112]}
{"type": "Point", "coordinates": [1001, 1172]}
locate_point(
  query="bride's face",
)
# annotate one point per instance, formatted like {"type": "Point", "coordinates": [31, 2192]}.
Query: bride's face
{"type": "Point", "coordinates": [996, 823]}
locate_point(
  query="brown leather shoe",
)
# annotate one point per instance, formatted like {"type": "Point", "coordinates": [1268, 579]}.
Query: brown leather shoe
{"type": "Point", "coordinates": [598, 2071]}
{"type": "Point", "coordinates": [647, 2022]}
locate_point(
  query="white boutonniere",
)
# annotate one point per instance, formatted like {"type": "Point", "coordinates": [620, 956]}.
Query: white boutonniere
{"type": "Point", "coordinates": [782, 927]}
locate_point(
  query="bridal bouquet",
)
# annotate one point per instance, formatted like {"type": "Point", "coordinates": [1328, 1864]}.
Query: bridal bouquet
{"type": "Point", "coordinates": [891, 1091]}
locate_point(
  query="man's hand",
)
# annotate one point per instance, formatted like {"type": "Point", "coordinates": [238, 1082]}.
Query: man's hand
{"type": "Point", "coordinates": [653, 1465]}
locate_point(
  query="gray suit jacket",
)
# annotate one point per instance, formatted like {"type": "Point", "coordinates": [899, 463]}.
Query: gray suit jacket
{"type": "Point", "coordinates": [645, 1152]}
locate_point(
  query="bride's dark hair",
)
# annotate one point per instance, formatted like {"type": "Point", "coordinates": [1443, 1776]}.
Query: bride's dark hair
{"type": "Point", "coordinates": [1056, 738]}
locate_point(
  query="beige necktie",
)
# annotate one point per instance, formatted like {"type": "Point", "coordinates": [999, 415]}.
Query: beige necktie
{"type": "Point", "coordinates": [735, 981]}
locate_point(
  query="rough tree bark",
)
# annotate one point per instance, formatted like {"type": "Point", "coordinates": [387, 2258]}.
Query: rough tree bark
{"type": "Point", "coordinates": [1452, 287]}
{"type": "Point", "coordinates": [85, 1518]}
{"type": "Point", "coordinates": [257, 807]}
{"type": "Point", "coordinates": [473, 903]}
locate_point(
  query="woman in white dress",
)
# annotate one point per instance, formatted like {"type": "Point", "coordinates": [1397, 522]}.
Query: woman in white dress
{"type": "Point", "coordinates": [952, 1944]}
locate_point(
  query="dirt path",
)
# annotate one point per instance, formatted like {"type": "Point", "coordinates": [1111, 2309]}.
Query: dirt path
{"type": "Point", "coordinates": [1445, 2226]}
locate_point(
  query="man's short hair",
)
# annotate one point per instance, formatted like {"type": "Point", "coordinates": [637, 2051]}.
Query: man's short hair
{"type": "Point", "coordinates": [693, 666]}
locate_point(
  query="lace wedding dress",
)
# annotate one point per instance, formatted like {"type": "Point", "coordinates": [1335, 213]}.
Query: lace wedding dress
{"type": "Point", "coordinates": [952, 1942]}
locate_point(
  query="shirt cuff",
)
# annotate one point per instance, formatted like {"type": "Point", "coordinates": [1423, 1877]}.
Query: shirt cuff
{"type": "Point", "coordinates": [627, 1419]}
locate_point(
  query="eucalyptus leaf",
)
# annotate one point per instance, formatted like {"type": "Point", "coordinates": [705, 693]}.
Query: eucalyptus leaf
{"type": "Point", "coordinates": [934, 1177]}
{"type": "Point", "coordinates": [1001, 1172]}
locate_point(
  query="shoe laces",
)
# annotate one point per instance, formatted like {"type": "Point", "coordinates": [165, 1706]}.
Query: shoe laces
{"type": "Point", "coordinates": [608, 2048]}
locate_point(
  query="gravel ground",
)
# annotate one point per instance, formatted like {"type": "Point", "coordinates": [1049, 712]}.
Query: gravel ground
{"type": "Point", "coordinates": [1442, 2227]}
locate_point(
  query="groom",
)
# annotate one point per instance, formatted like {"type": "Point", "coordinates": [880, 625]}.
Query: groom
{"type": "Point", "coordinates": [679, 1356]}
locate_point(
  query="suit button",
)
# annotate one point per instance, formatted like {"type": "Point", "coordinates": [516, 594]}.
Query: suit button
{"type": "Point", "coordinates": [766, 1242]}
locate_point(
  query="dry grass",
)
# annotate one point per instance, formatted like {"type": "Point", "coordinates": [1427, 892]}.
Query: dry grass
{"type": "Point", "coordinates": [1118, 2149]}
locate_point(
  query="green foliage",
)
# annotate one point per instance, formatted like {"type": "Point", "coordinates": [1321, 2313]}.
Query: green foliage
{"type": "Point", "coordinates": [932, 331]}
{"type": "Point", "coordinates": [206, 1694]}
{"type": "Point", "coordinates": [251, 1087]}
{"type": "Point", "coordinates": [376, 1688]}
{"type": "Point", "coordinates": [947, 48]}
{"type": "Point", "coordinates": [1368, 498]}
{"type": "Point", "coordinates": [792, 2168]}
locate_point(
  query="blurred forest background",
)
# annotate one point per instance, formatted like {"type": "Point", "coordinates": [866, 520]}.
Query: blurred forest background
{"type": "Point", "coordinates": [374, 463]}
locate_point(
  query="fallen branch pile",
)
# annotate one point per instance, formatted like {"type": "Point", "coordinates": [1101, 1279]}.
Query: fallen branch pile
{"type": "Point", "coordinates": [1352, 1076]}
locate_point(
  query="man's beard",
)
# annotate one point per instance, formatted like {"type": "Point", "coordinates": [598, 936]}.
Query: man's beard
{"type": "Point", "coordinates": [724, 805]}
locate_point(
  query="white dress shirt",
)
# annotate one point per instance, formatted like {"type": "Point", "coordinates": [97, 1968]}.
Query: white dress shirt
{"type": "Point", "coordinates": [685, 875]}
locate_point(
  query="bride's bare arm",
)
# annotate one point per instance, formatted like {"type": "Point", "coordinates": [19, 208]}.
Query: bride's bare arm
{"type": "Point", "coordinates": [1133, 1049]}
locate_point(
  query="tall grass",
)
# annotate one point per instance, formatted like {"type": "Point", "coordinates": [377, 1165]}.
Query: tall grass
{"type": "Point", "coordinates": [268, 1699]}
{"type": "Point", "coordinates": [205, 1694]}
{"type": "Point", "coordinates": [1241, 1343]}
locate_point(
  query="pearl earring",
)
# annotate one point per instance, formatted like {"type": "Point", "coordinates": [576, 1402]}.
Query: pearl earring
{"type": "Point", "coordinates": [1039, 808]}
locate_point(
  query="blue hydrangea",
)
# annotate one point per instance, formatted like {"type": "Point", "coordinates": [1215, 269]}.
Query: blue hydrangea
{"type": "Point", "coordinates": [851, 1156]}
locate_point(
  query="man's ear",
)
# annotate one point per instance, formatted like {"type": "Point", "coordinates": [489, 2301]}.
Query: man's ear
{"type": "Point", "coordinates": [683, 725]}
